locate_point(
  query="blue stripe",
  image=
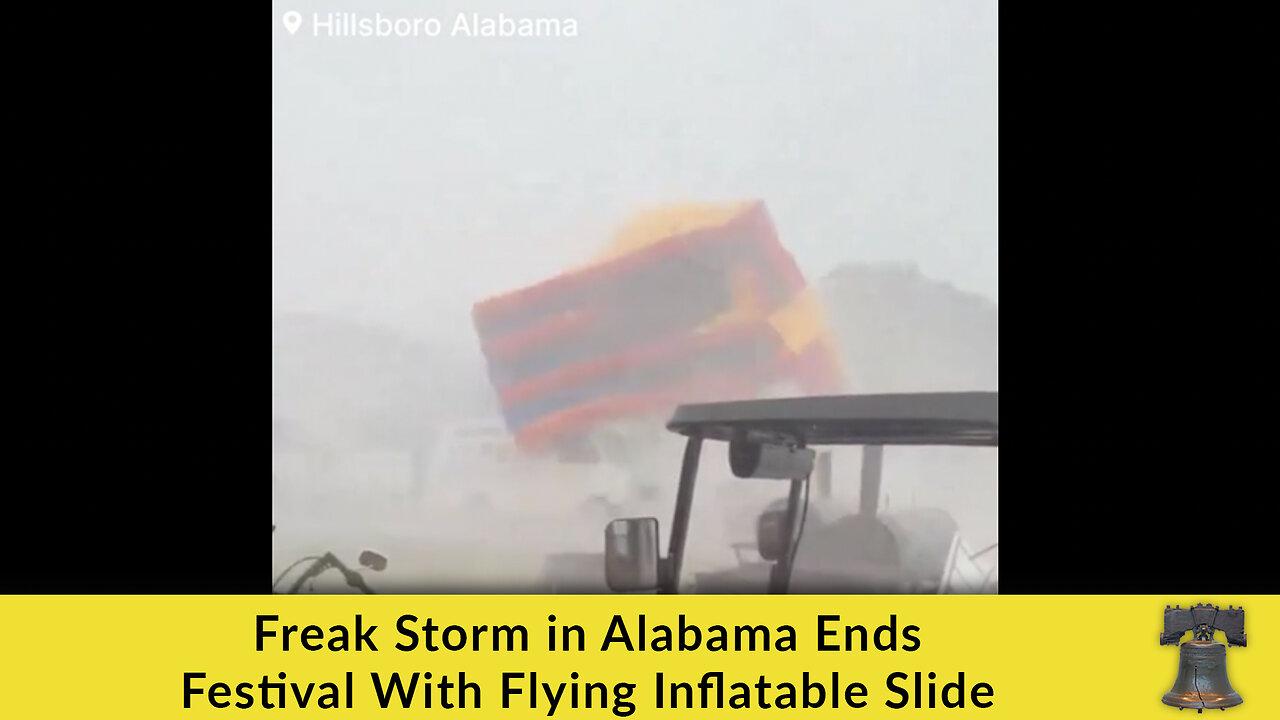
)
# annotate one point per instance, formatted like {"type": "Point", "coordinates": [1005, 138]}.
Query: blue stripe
{"type": "Point", "coordinates": [704, 259]}
{"type": "Point", "coordinates": [629, 317]}
{"type": "Point", "coordinates": [677, 293]}
{"type": "Point", "coordinates": [637, 380]}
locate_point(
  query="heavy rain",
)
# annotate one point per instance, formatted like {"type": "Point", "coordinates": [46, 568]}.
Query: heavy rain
{"type": "Point", "coordinates": [423, 179]}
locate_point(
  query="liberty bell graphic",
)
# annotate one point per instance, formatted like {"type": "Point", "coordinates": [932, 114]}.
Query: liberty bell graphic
{"type": "Point", "coordinates": [1202, 663]}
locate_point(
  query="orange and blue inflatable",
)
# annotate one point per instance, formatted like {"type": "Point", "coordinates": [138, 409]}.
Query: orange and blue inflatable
{"type": "Point", "coordinates": [689, 303]}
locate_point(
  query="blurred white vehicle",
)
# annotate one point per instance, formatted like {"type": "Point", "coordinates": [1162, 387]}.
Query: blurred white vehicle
{"type": "Point", "coordinates": [477, 467]}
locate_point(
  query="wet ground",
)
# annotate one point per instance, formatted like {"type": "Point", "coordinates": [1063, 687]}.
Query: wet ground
{"type": "Point", "coordinates": [487, 552]}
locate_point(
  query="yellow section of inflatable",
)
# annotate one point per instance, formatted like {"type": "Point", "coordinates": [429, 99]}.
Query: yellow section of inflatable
{"type": "Point", "coordinates": [747, 306]}
{"type": "Point", "coordinates": [800, 322]}
{"type": "Point", "coordinates": [662, 223]}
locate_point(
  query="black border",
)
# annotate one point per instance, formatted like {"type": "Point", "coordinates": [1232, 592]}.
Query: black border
{"type": "Point", "coordinates": [1135, 366]}
{"type": "Point", "coordinates": [137, 309]}
{"type": "Point", "coordinates": [1135, 356]}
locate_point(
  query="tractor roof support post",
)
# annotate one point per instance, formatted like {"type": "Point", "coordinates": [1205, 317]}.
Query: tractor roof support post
{"type": "Point", "coordinates": [869, 497]}
{"type": "Point", "coordinates": [670, 582]}
{"type": "Point", "coordinates": [780, 573]}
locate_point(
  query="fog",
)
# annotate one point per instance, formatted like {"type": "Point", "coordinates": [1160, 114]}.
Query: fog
{"type": "Point", "coordinates": [413, 176]}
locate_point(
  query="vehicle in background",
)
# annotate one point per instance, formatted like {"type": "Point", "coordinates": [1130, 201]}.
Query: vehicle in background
{"type": "Point", "coordinates": [478, 467]}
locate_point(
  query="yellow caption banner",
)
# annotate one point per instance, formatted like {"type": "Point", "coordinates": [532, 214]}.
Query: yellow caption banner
{"type": "Point", "coordinates": [611, 656]}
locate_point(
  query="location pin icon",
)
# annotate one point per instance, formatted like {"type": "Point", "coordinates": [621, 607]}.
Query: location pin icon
{"type": "Point", "coordinates": [292, 21]}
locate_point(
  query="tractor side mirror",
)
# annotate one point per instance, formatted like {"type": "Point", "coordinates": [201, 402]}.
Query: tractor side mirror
{"type": "Point", "coordinates": [375, 561]}
{"type": "Point", "coordinates": [631, 554]}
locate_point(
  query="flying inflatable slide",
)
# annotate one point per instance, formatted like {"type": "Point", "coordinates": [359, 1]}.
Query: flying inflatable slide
{"type": "Point", "coordinates": [689, 303]}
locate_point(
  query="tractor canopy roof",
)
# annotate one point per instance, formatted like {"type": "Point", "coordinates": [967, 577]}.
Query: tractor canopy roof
{"type": "Point", "coordinates": [954, 418]}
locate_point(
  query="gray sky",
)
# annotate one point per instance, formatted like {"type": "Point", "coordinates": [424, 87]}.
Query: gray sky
{"type": "Point", "coordinates": [413, 176]}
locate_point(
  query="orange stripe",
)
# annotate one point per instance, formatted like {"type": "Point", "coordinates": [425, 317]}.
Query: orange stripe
{"type": "Point", "coordinates": [663, 349]}
{"type": "Point", "coordinates": [815, 370]}
{"type": "Point", "coordinates": [546, 331]}
{"type": "Point", "coordinates": [819, 370]}
{"type": "Point", "coordinates": [707, 388]}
